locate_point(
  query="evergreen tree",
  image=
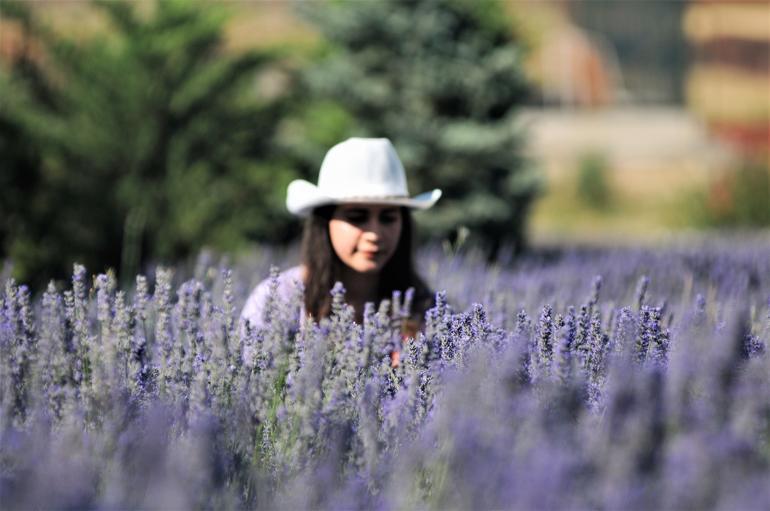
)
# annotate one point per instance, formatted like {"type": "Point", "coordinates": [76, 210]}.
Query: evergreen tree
{"type": "Point", "coordinates": [442, 79]}
{"type": "Point", "coordinates": [141, 142]}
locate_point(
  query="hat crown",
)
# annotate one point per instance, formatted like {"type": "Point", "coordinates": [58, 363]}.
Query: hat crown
{"type": "Point", "coordinates": [362, 167]}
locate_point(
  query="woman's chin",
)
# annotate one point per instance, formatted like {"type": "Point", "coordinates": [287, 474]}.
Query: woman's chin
{"type": "Point", "coordinates": [368, 268]}
{"type": "Point", "coordinates": [367, 265]}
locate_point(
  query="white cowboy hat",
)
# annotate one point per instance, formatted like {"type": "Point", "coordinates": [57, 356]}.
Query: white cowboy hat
{"type": "Point", "coordinates": [365, 170]}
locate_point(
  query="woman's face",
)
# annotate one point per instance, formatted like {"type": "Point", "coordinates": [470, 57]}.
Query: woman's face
{"type": "Point", "coordinates": [365, 236]}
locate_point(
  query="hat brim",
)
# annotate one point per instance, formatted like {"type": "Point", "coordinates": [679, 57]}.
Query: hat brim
{"type": "Point", "coordinates": [302, 197]}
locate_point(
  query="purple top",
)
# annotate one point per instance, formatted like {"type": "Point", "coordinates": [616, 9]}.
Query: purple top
{"type": "Point", "coordinates": [253, 310]}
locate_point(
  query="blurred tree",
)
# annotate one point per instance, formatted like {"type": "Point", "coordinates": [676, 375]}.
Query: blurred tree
{"type": "Point", "coordinates": [442, 79]}
{"type": "Point", "coordinates": [142, 142]}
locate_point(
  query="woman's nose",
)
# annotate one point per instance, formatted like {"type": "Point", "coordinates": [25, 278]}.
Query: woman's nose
{"type": "Point", "coordinates": [373, 228]}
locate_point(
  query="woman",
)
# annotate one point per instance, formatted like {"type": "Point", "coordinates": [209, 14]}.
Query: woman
{"type": "Point", "coordinates": [358, 232]}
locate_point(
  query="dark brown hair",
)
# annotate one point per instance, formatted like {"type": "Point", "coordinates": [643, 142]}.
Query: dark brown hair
{"type": "Point", "coordinates": [324, 268]}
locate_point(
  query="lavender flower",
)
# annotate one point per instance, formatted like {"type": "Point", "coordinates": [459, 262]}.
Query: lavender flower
{"type": "Point", "coordinates": [545, 349]}
{"type": "Point", "coordinates": [641, 291]}
{"type": "Point", "coordinates": [563, 361]}
{"type": "Point", "coordinates": [163, 401]}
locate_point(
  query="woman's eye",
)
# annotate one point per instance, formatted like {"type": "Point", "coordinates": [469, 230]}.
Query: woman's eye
{"type": "Point", "coordinates": [388, 219]}
{"type": "Point", "coordinates": [356, 218]}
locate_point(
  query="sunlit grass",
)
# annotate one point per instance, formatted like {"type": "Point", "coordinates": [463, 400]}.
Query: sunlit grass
{"type": "Point", "coordinates": [644, 204]}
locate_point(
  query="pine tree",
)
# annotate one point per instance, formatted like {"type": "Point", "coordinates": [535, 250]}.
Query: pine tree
{"type": "Point", "coordinates": [442, 79]}
{"type": "Point", "coordinates": [139, 142]}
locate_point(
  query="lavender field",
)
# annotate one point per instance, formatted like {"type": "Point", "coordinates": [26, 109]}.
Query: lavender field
{"type": "Point", "coordinates": [621, 378]}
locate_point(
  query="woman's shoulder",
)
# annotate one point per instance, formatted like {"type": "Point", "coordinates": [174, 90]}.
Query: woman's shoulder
{"type": "Point", "coordinates": [290, 276]}
{"type": "Point", "coordinates": [287, 280]}
{"type": "Point", "coordinates": [293, 274]}
{"type": "Point", "coordinates": [287, 283]}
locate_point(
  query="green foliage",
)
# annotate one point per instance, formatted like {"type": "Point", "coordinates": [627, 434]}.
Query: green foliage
{"type": "Point", "coordinates": [312, 128]}
{"type": "Point", "coordinates": [593, 187]}
{"type": "Point", "coordinates": [740, 198]}
{"type": "Point", "coordinates": [144, 141]}
{"type": "Point", "coordinates": [441, 79]}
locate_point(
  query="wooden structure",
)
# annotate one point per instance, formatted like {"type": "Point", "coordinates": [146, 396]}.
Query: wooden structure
{"type": "Point", "coordinates": [729, 84]}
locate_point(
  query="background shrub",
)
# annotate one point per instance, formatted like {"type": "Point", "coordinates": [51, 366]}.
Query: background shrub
{"type": "Point", "coordinates": [593, 187]}
{"type": "Point", "coordinates": [737, 198]}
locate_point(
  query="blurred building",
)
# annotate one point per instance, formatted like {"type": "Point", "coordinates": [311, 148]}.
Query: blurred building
{"type": "Point", "coordinates": [569, 66]}
{"type": "Point", "coordinates": [728, 86]}
{"type": "Point", "coordinates": [594, 53]}
{"type": "Point", "coordinates": [609, 79]}
{"type": "Point", "coordinates": [645, 41]}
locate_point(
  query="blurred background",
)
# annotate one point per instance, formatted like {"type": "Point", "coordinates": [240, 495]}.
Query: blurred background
{"type": "Point", "coordinates": [137, 133]}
